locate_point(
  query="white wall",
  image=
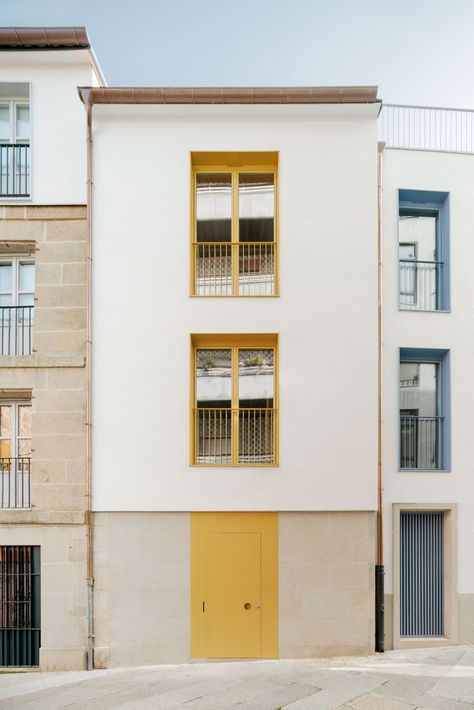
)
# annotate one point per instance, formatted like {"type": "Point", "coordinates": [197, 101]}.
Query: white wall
{"type": "Point", "coordinates": [58, 131]}
{"type": "Point", "coordinates": [143, 315]}
{"type": "Point", "coordinates": [454, 331]}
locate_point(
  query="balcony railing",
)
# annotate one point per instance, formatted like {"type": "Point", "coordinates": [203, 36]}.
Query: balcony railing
{"type": "Point", "coordinates": [16, 330]}
{"type": "Point", "coordinates": [234, 436]}
{"type": "Point", "coordinates": [234, 268]}
{"type": "Point", "coordinates": [427, 128]}
{"type": "Point", "coordinates": [420, 442]}
{"type": "Point", "coordinates": [15, 482]}
{"type": "Point", "coordinates": [420, 283]}
{"type": "Point", "coordinates": [14, 170]}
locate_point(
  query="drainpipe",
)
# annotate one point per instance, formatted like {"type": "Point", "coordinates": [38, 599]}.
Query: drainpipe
{"type": "Point", "coordinates": [88, 496]}
{"type": "Point", "coordinates": [379, 566]}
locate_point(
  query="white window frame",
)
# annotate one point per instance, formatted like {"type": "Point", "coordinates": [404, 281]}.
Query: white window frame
{"type": "Point", "coordinates": [16, 261]}
{"type": "Point", "coordinates": [13, 104]}
{"type": "Point", "coordinates": [15, 437]}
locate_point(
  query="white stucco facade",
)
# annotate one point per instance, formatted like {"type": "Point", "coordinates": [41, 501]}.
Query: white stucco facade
{"type": "Point", "coordinates": [58, 125]}
{"type": "Point", "coordinates": [143, 314]}
{"type": "Point", "coordinates": [454, 174]}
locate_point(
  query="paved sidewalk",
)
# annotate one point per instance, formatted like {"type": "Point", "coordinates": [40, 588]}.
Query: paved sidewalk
{"type": "Point", "coordinates": [398, 680]}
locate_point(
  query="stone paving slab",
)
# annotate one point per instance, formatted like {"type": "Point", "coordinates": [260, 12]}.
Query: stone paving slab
{"type": "Point", "coordinates": [421, 679]}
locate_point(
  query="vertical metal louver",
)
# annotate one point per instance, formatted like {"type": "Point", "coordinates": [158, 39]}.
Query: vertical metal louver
{"type": "Point", "coordinates": [421, 574]}
{"type": "Point", "coordinates": [19, 605]}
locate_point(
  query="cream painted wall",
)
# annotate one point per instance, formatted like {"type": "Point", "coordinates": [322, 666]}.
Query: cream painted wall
{"type": "Point", "coordinates": [454, 331]}
{"type": "Point", "coordinates": [58, 131]}
{"type": "Point", "coordinates": [143, 315]}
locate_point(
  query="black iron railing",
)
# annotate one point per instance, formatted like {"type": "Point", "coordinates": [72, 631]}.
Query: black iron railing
{"type": "Point", "coordinates": [16, 330]}
{"type": "Point", "coordinates": [421, 442]}
{"type": "Point", "coordinates": [15, 482]}
{"type": "Point", "coordinates": [20, 608]}
{"type": "Point", "coordinates": [420, 285]}
{"type": "Point", "coordinates": [14, 170]}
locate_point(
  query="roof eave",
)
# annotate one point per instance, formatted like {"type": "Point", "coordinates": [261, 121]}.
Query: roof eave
{"type": "Point", "coordinates": [228, 95]}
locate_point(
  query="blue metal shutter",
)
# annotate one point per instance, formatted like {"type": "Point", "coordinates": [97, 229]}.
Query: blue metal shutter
{"type": "Point", "coordinates": [421, 574]}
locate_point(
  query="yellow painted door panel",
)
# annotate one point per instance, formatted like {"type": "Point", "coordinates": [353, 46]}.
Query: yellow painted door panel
{"type": "Point", "coordinates": [234, 585]}
{"type": "Point", "coordinates": [233, 607]}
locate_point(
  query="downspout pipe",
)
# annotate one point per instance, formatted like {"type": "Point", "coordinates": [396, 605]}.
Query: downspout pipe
{"type": "Point", "coordinates": [88, 494]}
{"type": "Point", "coordinates": [379, 566]}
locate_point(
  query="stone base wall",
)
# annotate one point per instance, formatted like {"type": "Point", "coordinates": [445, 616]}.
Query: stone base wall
{"type": "Point", "coordinates": [62, 589]}
{"type": "Point", "coordinates": [326, 584]}
{"type": "Point", "coordinates": [142, 586]}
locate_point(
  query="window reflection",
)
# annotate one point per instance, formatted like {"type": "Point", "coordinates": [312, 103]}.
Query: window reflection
{"type": "Point", "coordinates": [256, 378]}
{"type": "Point", "coordinates": [213, 378]}
{"type": "Point", "coordinates": [213, 207]}
{"type": "Point", "coordinates": [256, 207]}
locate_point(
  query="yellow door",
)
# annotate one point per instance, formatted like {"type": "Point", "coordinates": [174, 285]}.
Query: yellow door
{"type": "Point", "coordinates": [234, 585]}
{"type": "Point", "coordinates": [234, 602]}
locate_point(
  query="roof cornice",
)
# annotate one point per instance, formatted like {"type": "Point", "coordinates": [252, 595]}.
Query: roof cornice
{"type": "Point", "coordinates": [229, 95]}
{"type": "Point", "coordinates": [43, 38]}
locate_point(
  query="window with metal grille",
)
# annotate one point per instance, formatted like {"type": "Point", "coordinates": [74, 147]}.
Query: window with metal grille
{"type": "Point", "coordinates": [19, 605]}
{"type": "Point", "coordinates": [234, 409]}
{"type": "Point", "coordinates": [14, 141]}
{"type": "Point", "coordinates": [423, 236]}
{"type": "Point", "coordinates": [15, 454]}
{"type": "Point", "coordinates": [17, 293]}
{"type": "Point", "coordinates": [234, 224]}
{"type": "Point", "coordinates": [424, 404]}
{"type": "Point", "coordinates": [421, 574]}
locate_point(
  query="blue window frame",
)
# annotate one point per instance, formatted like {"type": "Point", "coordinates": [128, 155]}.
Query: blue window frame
{"type": "Point", "coordinates": [423, 250]}
{"type": "Point", "coordinates": [424, 410]}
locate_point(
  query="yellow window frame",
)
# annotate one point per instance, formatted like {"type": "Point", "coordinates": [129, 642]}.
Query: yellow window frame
{"type": "Point", "coordinates": [234, 163]}
{"type": "Point", "coordinates": [234, 342]}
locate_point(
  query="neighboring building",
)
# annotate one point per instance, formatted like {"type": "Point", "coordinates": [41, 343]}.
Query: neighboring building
{"type": "Point", "coordinates": [233, 312]}
{"type": "Point", "coordinates": [428, 451]}
{"type": "Point", "coordinates": [43, 301]}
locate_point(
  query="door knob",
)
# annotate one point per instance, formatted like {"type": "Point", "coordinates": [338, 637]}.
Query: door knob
{"type": "Point", "coordinates": [247, 606]}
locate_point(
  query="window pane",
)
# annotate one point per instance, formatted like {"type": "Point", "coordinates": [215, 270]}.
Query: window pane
{"type": "Point", "coordinates": [27, 277]}
{"type": "Point", "coordinates": [5, 449]}
{"type": "Point", "coordinates": [4, 122]}
{"type": "Point", "coordinates": [5, 421]}
{"type": "Point", "coordinates": [26, 299]}
{"type": "Point", "coordinates": [213, 207]}
{"type": "Point", "coordinates": [256, 386]}
{"type": "Point", "coordinates": [24, 447]}
{"type": "Point", "coordinates": [23, 122]}
{"type": "Point", "coordinates": [420, 424]}
{"type": "Point", "coordinates": [24, 420]}
{"type": "Point", "coordinates": [420, 272]}
{"type": "Point", "coordinates": [418, 388]}
{"type": "Point", "coordinates": [5, 278]}
{"type": "Point", "coordinates": [256, 207]}
{"type": "Point", "coordinates": [213, 378]}
{"type": "Point", "coordinates": [417, 237]}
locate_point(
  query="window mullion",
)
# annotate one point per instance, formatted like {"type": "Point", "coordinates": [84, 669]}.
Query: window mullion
{"type": "Point", "coordinates": [235, 233]}
{"type": "Point", "coordinates": [235, 406]}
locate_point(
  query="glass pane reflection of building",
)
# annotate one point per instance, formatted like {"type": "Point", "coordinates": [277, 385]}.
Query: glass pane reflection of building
{"type": "Point", "coordinates": [235, 252]}
{"type": "Point", "coordinates": [234, 419]}
{"type": "Point", "coordinates": [420, 271]}
{"type": "Point", "coordinates": [256, 234]}
{"type": "Point", "coordinates": [420, 420]}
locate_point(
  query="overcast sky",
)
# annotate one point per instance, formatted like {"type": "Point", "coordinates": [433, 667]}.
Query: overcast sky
{"type": "Point", "coordinates": [417, 51]}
